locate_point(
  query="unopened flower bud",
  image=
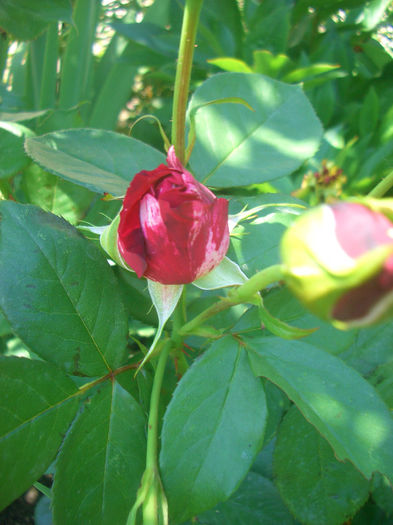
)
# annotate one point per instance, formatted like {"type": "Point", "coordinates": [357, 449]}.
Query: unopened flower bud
{"type": "Point", "coordinates": [338, 260]}
{"type": "Point", "coordinates": [171, 229]}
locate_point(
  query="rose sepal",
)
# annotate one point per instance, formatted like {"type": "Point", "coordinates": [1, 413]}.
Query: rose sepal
{"type": "Point", "coordinates": [108, 241]}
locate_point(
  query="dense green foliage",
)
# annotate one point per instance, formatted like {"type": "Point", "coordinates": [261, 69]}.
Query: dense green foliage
{"type": "Point", "coordinates": [256, 428]}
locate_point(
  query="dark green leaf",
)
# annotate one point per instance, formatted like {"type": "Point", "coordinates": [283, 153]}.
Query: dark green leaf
{"type": "Point", "coordinates": [315, 486]}
{"type": "Point", "coordinates": [343, 406]}
{"type": "Point", "coordinates": [236, 147]}
{"type": "Point", "coordinates": [102, 460]}
{"type": "Point", "coordinates": [99, 160]}
{"type": "Point", "coordinates": [37, 404]}
{"type": "Point", "coordinates": [257, 501]}
{"type": "Point", "coordinates": [212, 430]}
{"type": "Point", "coordinates": [382, 493]}
{"type": "Point", "coordinates": [58, 293]}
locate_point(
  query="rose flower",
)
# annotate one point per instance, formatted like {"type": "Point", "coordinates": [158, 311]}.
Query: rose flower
{"type": "Point", "coordinates": [172, 229]}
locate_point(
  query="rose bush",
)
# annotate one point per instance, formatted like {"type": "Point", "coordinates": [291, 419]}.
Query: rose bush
{"type": "Point", "coordinates": [338, 260]}
{"type": "Point", "coordinates": [171, 228]}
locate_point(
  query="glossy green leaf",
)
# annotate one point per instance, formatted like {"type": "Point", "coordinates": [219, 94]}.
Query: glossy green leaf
{"type": "Point", "coordinates": [314, 484]}
{"type": "Point", "coordinates": [37, 404]}
{"type": "Point", "coordinates": [212, 430]}
{"type": "Point", "coordinates": [25, 19]}
{"type": "Point", "coordinates": [99, 160]}
{"type": "Point", "coordinates": [343, 406]}
{"type": "Point", "coordinates": [12, 155]}
{"type": "Point", "coordinates": [102, 460]}
{"type": "Point", "coordinates": [58, 292]}
{"type": "Point", "coordinates": [278, 135]}
{"type": "Point", "coordinates": [257, 501]}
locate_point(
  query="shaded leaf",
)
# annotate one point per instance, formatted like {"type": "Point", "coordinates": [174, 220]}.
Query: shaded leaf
{"type": "Point", "coordinates": [102, 460]}
{"type": "Point", "coordinates": [342, 406]}
{"type": "Point", "coordinates": [256, 501]}
{"type": "Point", "coordinates": [314, 484]}
{"type": "Point", "coordinates": [212, 430]}
{"type": "Point", "coordinates": [37, 404]}
{"type": "Point", "coordinates": [64, 303]}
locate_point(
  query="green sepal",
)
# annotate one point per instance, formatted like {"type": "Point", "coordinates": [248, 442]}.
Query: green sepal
{"type": "Point", "coordinates": [279, 328]}
{"type": "Point", "coordinates": [108, 241]}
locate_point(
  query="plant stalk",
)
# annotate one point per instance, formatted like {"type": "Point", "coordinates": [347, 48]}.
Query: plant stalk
{"type": "Point", "coordinates": [192, 11]}
{"type": "Point", "coordinates": [242, 294]}
{"type": "Point", "coordinates": [382, 187]}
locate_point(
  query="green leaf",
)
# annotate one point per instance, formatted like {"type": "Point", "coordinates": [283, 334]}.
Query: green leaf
{"type": "Point", "coordinates": [315, 486]}
{"type": "Point", "coordinates": [25, 19]}
{"type": "Point", "coordinates": [231, 64]}
{"type": "Point", "coordinates": [56, 195]}
{"type": "Point", "coordinates": [369, 112]}
{"type": "Point", "coordinates": [58, 293]}
{"type": "Point", "coordinates": [20, 116]}
{"type": "Point", "coordinates": [343, 406]}
{"type": "Point", "coordinates": [373, 13]}
{"type": "Point", "coordinates": [257, 501]}
{"type": "Point", "coordinates": [382, 493]}
{"type": "Point", "coordinates": [12, 154]}
{"type": "Point", "coordinates": [271, 65]}
{"type": "Point", "coordinates": [236, 147]}
{"type": "Point", "coordinates": [212, 430]}
{"type": "Point", "coordinates": [102, 460]}
{"type": "Point", "coordinates": [99, 160]}
{"type": "Point", "coordinates": [43, 512]}
{"type": "Point", "coordinates": [302, 74]}
{"type": "Point", "coordinates": [267, 223]}
{"type": "Point", "coordinates": [37, 404]}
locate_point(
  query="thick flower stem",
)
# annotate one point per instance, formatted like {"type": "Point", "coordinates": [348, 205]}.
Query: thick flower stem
{"type": "Point", "coordinates": [382, 187]}
{"type": "Point", "coordinates": [242, 294]}
{"type": "Point", "coordinates": [192, 10]}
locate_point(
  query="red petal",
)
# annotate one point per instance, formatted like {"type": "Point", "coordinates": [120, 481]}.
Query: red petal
{"type": "Point", "coordinates": [359, 229]}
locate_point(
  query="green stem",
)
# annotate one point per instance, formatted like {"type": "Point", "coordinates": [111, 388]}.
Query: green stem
{"type": "Point", "coordinates": [192, 10]}
{"type": "Point", "coordinates": [243, 294]}
{"type": "Point", "coordinates": [382, 187]}
{"type": "Point", "coordinates": [151, 503]}
{"type": "Point", "coordinates": [152, 433]}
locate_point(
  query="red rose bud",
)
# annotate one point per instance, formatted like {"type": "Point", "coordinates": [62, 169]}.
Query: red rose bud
{"type": "Point", "coordinates": [172, 229]}
{"type": "Point", "coordinates": [338, 260]}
